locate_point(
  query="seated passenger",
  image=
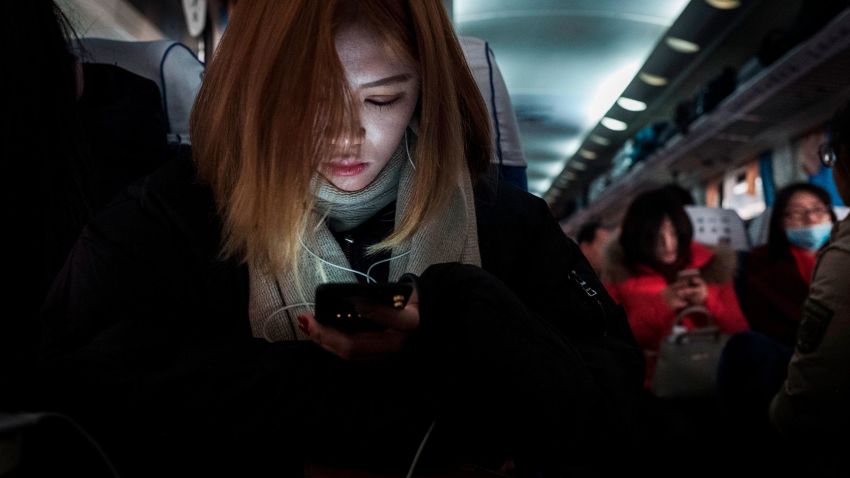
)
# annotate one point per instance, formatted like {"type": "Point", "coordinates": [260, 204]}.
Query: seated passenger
{"type": "Point", "coordinates": [643, 266]}
{"type": "Point", "coordinates": [777, 275]}
{"type": "Point", "coordinates": [69, 143]}
{"type": "Point", "coordinates": [336, 141]}
{"type": "Point", "coordinates": [593, 239]}
{"type": "Point", "coordinates": [812, 407]}
{"type": "Point", "coordinates": [776, 278]}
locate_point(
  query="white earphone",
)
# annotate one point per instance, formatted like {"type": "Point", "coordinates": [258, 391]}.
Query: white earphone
{"type": "Point", "coordinates": [407, 145]}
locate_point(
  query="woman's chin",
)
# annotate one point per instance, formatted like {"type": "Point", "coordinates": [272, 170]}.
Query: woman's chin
{"type": "Point", "coordinates": [349, 184]}
{"type": "Point", "coordinates": [668, 260]}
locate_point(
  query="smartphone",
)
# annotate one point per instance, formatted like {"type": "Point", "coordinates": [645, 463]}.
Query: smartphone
{"type": "Point", "coordinates": [344, 305]}
{"type": "Point", "coordinates": [688, 276]}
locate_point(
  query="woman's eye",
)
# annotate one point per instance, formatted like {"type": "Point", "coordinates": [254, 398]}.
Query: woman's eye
{"type": "Point", "coordinates": [382, 103]}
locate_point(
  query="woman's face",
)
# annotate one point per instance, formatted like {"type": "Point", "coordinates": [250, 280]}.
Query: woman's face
{"type": "Point", "coordinates": [667, 243]}
{"type": "Point", "coordinates": [805, 209]}
{"type": "Point", "coordinates": [386, 91]}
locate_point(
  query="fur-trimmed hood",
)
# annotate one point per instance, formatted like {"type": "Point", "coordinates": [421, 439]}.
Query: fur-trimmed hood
{"type": "Point", "coordinates": [716, 264]}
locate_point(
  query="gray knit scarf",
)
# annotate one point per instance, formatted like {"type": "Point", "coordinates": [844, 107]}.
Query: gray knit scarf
{"type": "Point", "coordinates": [276, 300]}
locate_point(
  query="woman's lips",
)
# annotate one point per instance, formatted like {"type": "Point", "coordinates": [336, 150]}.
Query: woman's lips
{"type": "Point", "coordinates": [345, 168]}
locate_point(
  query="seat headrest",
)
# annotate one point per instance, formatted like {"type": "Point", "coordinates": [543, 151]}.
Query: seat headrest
{"type": "Point", "coordinates": [503, 119]}
{"type": "Point", "coordinates": [714, 226]}
{"type": "Point", "coordinates": [759, 228]}
{"type": "Point", "coordinates": [171, 65]}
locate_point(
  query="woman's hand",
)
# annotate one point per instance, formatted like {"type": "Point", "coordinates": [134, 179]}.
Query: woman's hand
{"type": "Point", "coordinates": [366, 345]}
{"type": "Point", "coordinates": [673, 296]}
{"type": "Point", "coordinates": [695, 292]}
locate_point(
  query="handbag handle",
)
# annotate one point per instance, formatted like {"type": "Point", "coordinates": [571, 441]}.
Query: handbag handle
{"type": "Point", "coordinates": [698, 310]}
{"type": "Point", "coordinates": [710, 328]}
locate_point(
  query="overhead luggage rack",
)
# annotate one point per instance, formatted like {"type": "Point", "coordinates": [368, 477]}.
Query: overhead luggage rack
{"type": "Point", "coordinates": [798, 91]}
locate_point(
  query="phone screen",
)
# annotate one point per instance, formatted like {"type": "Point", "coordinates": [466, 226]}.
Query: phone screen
{"type": "Point", "coordinates": [688, 276]}
{"type": "Point", "coordinates": [345, 305]}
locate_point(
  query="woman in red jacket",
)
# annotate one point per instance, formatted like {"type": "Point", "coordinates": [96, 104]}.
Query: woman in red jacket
{"type": "Point", "coordinates": [644, 267]}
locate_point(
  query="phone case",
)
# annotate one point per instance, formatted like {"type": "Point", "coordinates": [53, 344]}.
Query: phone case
{"type": "Point", "coordinates": [689, 275]}
{"type": "Point", "coordinates": [342, 305]}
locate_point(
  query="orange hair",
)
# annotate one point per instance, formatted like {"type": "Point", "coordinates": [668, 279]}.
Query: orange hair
{"type": "Point", "coordinates": [275, 90]}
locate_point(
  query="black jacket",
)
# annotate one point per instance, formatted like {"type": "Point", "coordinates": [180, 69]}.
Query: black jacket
{"type": "Point", "coordinates": [57, 179]}
{"type": "Point", "coordinates": [146, 335]}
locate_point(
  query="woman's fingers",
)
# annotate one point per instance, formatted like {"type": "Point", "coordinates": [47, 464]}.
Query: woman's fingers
{"type": "Point", "coordinates": [329, 338]}
{"type": "Point", "coordinates": [369, 345]}
{"type": "Point", "coordinates": [356, 346]}
{"type": "Point", "coordinates": [366, 345]}
{"type": "Point", "coordinates": [696, 281]}
{"type": "Point", "coordinates": [695, 294]}
{"type": "Point", "coordinates": [405, 319]}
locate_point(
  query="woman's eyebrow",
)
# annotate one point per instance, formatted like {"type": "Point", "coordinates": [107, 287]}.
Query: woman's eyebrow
{"type": "Point", "coordinates": [388, 80]}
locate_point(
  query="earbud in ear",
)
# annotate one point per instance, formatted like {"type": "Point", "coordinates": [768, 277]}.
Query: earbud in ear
{"type": "Point", "coordinates": [414, 125]}
{"type": "Point", "coordinates": [407, 145]}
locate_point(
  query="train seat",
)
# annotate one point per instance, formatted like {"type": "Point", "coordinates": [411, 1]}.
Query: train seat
{"type": "Point", "coordinates": [714, 226]}
{"type": "Point", "coordinates": [508, 153]}
{"type": "Point", "coordinates": [171, 65]}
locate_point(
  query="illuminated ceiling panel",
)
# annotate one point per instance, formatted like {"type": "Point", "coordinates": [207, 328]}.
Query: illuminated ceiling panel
{"type": "Point", "coordinates": [565, 64]}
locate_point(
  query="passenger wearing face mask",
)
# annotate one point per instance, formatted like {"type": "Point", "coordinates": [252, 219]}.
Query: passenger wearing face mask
{"type": "Point", "coordinates": [776, 282]}
{"type": "Point", "coordinates": [778, 274]}
{"type": "Point", "coordinates": [642, 272]}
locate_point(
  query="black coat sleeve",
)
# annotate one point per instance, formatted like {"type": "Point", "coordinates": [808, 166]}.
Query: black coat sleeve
{"type": "Point", "coordinates": [144, 341]}
{"type": "Point", "coordinates": [576, 302]}
{"type": "Point", "coordinates": [549, 273]}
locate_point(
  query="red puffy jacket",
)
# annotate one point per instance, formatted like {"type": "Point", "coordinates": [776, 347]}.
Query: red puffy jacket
{"type": "Point", "coordinates": [639, 289]}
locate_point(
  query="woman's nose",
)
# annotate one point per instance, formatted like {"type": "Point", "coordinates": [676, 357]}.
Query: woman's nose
{"type": "Point", "coordinates": [670, 241]}
{"type": "Point", "coordinates": [353, 139]}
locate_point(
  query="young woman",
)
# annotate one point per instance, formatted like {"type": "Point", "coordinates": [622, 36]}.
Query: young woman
{"type": "Point", "coordinates": [777, 275]}
{"type": "Point", "coordinates": [643, 273]}
{"type": "Point", "coordinates": [336, 141]}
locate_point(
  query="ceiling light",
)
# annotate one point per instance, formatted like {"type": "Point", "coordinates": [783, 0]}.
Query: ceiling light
{"type": "Point", "coordinates": [539, 186]}
{"type": "Point", "coordinates": [553, 169]}
{"type": "Point", "coordinates": [586, 154]}
{"type": "Point", "coordinates": [600, 140]}
{"type": "Point", "coordinates": [724, 4]}
{"type": "Point", "coordinates": [608, 90]}
{"type": "Point", "coordinates": [577, 166]}
{"type": "Point", "coordinates": [630, 104]}
{"type": "Point", "coordinates": [613, 124]}
{"type": "Point", "coordinates": [653, 80]}
{"type": "Point", "coordinates": [681, 45]}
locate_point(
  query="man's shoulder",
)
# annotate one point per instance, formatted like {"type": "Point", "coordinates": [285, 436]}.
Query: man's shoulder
{"type": "Point", "coordinates": [166, 205]}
